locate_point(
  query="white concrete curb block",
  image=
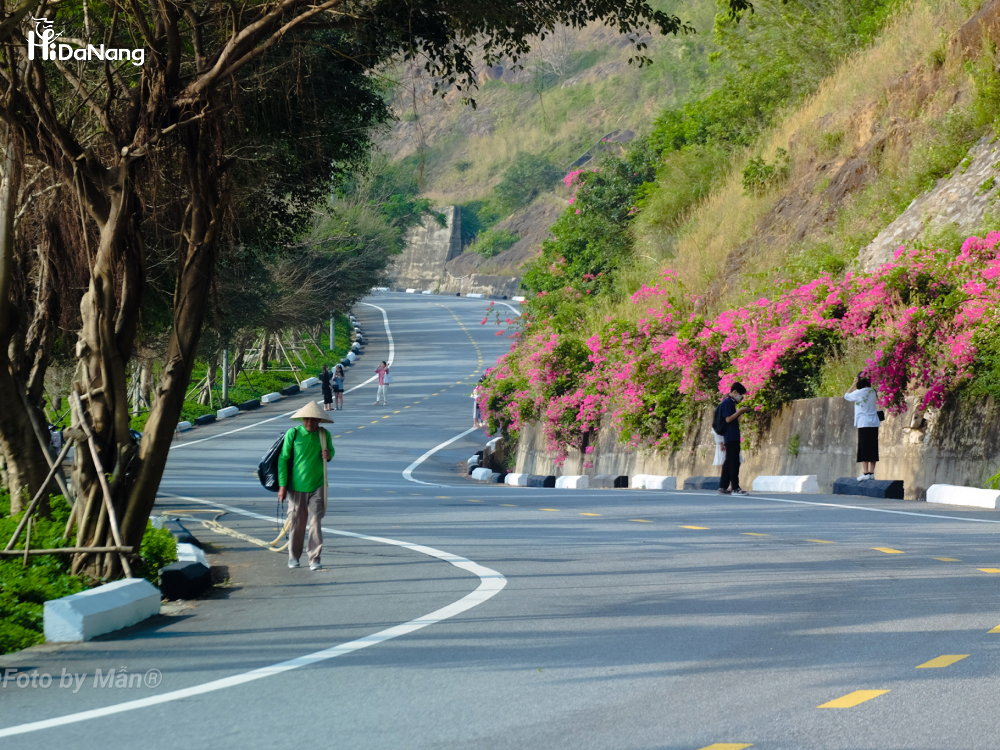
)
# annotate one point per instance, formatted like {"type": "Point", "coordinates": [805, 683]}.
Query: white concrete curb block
{"type": "Point", "coordinates": [473, 461]}
{"type": "Point", "coordinates": [112, 606]}
{"type": "Point", "coordinates": [573, 482]}
{"type": "Point", "coordinates": [516, 480]}
{"type": "Point", "coordinates": [352, 356]}
{"type": "Point", "coordinates": [517, 299]}
{"type": "Point", "coordinates": [229, 411]}
{"type": "Point", "coordinates": [652, 482]}
{"type": "Point", "coordinates": [474, 296]}
{"type": "Point", "coordinates": [485, 475]}
{"type": "Point", "coordinates": [808, 485]}
{"type": "Point", "coordinates": [411, 291]}
{"type": "Point", "coordinates": [309, 382]}
{"type": "Point", "coordinates": [190, 553]}
{"type": "Point", "coordinates": [270, 398]}
{"type": "Point", "coordinates": [428, 291]}
{"type": "Point", "coordinates": [183, 426]}
{"type": "Point", "coordinates": [948, 494]}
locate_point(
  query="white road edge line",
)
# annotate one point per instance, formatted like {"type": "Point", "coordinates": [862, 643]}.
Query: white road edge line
{"type": "Point", "coordinates": [855, 507]}
{"type": "Point", "coordinates": [491, 583]}
{"type": "Point", "coordinates": [408, 471]}
{"type": "Point", "coordinates": [392, 354]}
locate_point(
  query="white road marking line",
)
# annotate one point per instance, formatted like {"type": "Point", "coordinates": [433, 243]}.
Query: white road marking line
{"type": "Point", "coordinates": [491, 583]}
{"type": "Point", "coordinates": [854, 507]}
{"type": "Point", "coordinates": [392, 353]}
{"type": "Point", "coordinates": [408, 471]}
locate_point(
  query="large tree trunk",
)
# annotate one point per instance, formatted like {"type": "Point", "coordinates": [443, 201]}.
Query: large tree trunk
{"type": "Point", "coordinates": [26, 465]}
{"type": "Point", "coordinates": [195, 271]}
{"type": "Point", "coordinates": [106, 343]}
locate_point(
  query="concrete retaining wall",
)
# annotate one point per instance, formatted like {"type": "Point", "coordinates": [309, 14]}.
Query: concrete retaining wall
{"type": "Point", "coordinates": [958, 446]}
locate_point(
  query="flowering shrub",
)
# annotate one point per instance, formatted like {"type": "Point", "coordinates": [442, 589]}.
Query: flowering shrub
{"type": "Point", "coordinates": [931, 317]}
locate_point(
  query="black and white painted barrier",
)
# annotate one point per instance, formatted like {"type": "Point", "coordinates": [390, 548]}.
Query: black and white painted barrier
{"type": "Point", "coordinates": [250, 405]}
{"type": "Point", "coordinates": [653, 482]}
{"type": "Point", "coordinates": [227, 411]}
{"type": "Point", "coordinates": [889, 489]}
{"type": "Point", "coordinates": [808, 484]}
{"type": "Point", "coordinates": [290, 390]}
{"type": "Point", "coordinates": [609, 482]}
{"type": "Point", "coordinates": [204, 419]}
{"type": "Point", "coordinates": [572, 482]}
{"type": "Point", "coordinates": [100, 610]}
{"type": "Point", "coordinates": [487, 475]}
{"type": "Point", "coordinates": [701, 483]}
{"type": "Point", "coordinates": [949, 494]}
{"type": "Point", "coordinates": [310, 382]}
{"type": "Point", "coordinates": [183, 426]}
{"type": "Point", "coordinates": [271, 398]}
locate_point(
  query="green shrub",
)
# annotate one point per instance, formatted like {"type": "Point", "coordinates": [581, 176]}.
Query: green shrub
{"type": "Point", "coordinates": [528, 176]}
{"type": "Point", "coordinates": [494, 241]}
{"type": "Point", "coordinates": [158, 548]}
{"type": "Point", "coordinates": [759, 177]}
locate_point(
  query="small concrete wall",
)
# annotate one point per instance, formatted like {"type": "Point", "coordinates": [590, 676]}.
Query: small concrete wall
{"type": "Point", "coordinates": [959, 446]}
{"type": "Point", "coordinates": [428, 247]}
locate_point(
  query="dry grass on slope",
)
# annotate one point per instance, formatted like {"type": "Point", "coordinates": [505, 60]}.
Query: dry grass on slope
{"type": "Point", "coordinates": [865, 133]}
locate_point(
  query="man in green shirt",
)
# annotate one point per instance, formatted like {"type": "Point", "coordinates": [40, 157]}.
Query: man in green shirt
{"type": "Point", "coordinates": [309, 447]}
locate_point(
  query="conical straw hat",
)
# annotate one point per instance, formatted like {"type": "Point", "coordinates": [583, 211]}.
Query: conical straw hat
{"type": "Point", "coordinates": [311, 410]}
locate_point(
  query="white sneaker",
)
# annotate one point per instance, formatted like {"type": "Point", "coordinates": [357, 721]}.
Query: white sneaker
{"type": "Point", "coordinates": [315, 566]}
{"type": "Point", "coordinates": [862, 478]}
{"type": "Point", "coordinates": [872, 477]}
{"type": "Point", "coordinates": [293, 563]}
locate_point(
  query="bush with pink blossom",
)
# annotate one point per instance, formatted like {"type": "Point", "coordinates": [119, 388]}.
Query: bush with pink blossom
{"type": "Point", "coordinates": [931, 317]}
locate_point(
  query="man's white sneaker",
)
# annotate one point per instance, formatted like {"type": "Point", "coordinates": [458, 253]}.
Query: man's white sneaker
{"type": "Point", "coordinates": [293, 563]}
{"type": "Point", "coordinates": [315, 566]}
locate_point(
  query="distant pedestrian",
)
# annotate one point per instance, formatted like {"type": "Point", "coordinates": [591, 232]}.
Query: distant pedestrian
{"type": "Point", "coordinates": [729, 482]}
{"type": "Point", "coordinates": [866, 419]}
{"type": "Point", "coordinates": [326, 380]}
{"type": "Point", "coordinates": [338, 387]}
{"type": "Point", "coordinates": [477, 392]}
{"type": "Point", "coordinates": [383, 384]}
{"type": "Point", "coordinates": [309, 447]}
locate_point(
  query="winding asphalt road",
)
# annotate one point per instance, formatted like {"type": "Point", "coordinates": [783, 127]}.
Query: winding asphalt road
{"type": "Point", "coordinates": [459, 615]}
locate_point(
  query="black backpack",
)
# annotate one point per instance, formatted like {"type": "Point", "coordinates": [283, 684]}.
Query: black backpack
{"type": "Point", "coordinates": [719, 423]}
{"type": "Point", "coordinates": [267, 469]}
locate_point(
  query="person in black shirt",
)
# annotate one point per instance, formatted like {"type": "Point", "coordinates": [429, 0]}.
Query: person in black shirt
{"type": "Point", "coordinates": [326, 380]}
{"type": "Point", "coordinates": [729, 482]}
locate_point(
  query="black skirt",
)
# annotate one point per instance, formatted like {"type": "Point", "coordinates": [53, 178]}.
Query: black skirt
{"type": "Point", "coordinates": [327, 395]}
{"type": "Point", "coordinates": [868, 444]}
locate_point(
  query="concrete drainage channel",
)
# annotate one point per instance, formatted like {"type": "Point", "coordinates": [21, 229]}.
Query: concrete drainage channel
{"type": "Point", "coordinates": [482, 467]}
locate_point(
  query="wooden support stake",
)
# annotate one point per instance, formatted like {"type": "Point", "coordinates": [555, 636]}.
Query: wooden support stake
{"type": "Point", "coordinates": [41, 441]}
{"type": "Point", "coordinates": [38, 496]}
{"type": "Point", "coordinates": [112, 516]}
{"type": "Point", "coordinates": [288, 360]}
{"type": "Point", "coordinates": [27, 543]}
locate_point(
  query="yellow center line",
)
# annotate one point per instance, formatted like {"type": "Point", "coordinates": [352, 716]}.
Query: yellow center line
{"type": "Point", "coordinates": [386, 416]}
{"type": "Point", "coordinates": [361, 427]}
{"type": "Point", "coordinates": [994, 630]}
{"type": "Point", "coordinates": [728, 746]}
{"type": "Point", "coordinates": [639, 520]}
{"type": "Point", "coordinates": [415, 494]}
{"type": "Point", "coordinates": [374, 421]}
{"type": "Point", "coordinates": [443, 497]}
{"type": "Point", "coordinates": [590, 514]}
{"type": "Point", "coordinates": [990, 570]}
{"type": "Point", "coordinates": [820, 541]}
{"type": "Point", "coordinates": [553, 510]}
{"type": "Point", "coordinates": [508, 505]}
{"type": "Point", "coordinates": [942, 661]}
{"type": "Point", "coordinates": [395, 412]}
{"type": "Point", "coordinates": [752, 533]}
{"type": "Point", "coordinates": [853, 699]}
{"type": "Point", "coordinates": [475, 501]}
{"type": "Point", "coordinates": [948, 559]}
{"type": "Point", "coordinates": [406, 407]}
{"type": "Point", "coordinates": [699, 528]}
{"type": "Point", "coordinates": [890, 551]}
{"type": "Point", "coordinates": [336, 436]}
{"type": "Point", "coordinates": [349, 432]}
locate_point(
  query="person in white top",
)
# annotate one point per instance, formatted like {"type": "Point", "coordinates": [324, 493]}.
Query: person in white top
{"type": "Point", "coordinates": [866, 420]}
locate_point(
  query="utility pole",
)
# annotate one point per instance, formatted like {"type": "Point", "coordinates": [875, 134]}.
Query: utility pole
{"type": "Point", "coordinates": [225, 376]}
{"type": "Point", "coordinates": [331, 332]}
